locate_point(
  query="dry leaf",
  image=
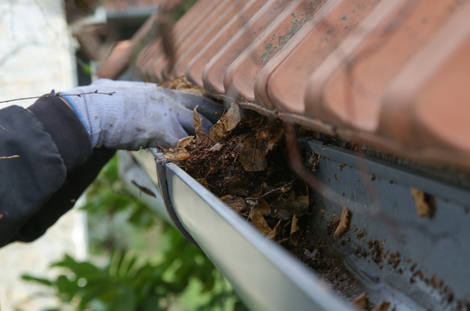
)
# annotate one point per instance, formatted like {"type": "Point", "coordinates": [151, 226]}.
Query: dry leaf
{"type": "Point", "coordinates": [294, 227]}
{"type": "Point", "coordinates": [383, 306]}
{"type": "Point", "coordinates": [144, 189]}
{"type": "Point", "coordinates": [294, 231]}
{"type": "Point", "coordinates": [425, 203]}
{"type": "Point", "coordinates": [272, 235]}
{"type": "Point", "coordinates": [284, 208]}
{"type": "Point", "coordinates": [361, 301]}
{"type": "Point", "coordinates": [177, 154]}
{"type": "Point", "coordinates": [197, 122]}
{"type": "Point", "coordinates": [314, 161]}
{"type": "Point", "coordinates": [270, 135]}
{"type": "Point", "coordinates": [257, 220]}
{"type": "Point", "coordinates": [183, 85]}
{"type": "Point", "coordinates": [203, 182]}
{"type": "Point", "coordinates": [226, 124]}
{"type": "Point", "coordinates": [251, 157]}
{"type": "Point", "coordinates": [277, 135]}
{"type": "Point", "coordinates": [183, 142]}
{"type": "Point", "coordinates": [263, 134]}
{"type": "Point", "coordinates": [302, 199]}
{"type": "Point", "coordinates": [263, 207]}
{"type": "Point", "coordinates": [216, 147]}
{"type": "Point", "coordinates": [236, 203]}
{"type": "Point", "coordinates": [236, 185]}
{"type": "Point", "coordinates": [343, 225]}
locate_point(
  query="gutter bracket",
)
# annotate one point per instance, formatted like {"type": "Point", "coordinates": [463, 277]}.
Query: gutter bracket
{"type": "Point", "coordinates": [163, 188]}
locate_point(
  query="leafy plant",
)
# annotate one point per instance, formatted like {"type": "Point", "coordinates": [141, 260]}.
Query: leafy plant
{"type": "Point", "coordinates": [130, 280]}
{"type": "Point", "coordinates": [86, 68]}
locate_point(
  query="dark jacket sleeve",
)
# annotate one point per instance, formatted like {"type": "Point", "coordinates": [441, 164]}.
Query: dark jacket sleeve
{"type": "Point", "coordinates": [55, 165]}
{"type": "Point", "coordinates": [77, 180]}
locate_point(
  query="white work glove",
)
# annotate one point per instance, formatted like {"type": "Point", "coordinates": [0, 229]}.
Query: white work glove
{"type": "Point", "coordinates": [138, 114]}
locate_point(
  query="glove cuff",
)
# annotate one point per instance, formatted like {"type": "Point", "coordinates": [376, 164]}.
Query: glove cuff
{"type": "Point", "coordinates": [77, 111]}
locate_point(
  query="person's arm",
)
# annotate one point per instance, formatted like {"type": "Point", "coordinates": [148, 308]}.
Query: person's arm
{"type": "Point", "coordinates": [76, 182]}
{"type": "Point", "coordinates": [62, 145]}
{"type": "Point", "coordinates": [49, 140]}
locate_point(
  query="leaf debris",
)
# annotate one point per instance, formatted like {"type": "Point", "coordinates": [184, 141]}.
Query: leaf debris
{"type": "Point", "coordinates": [183, 85]}
{"type": "Point", "coordinates": [343, 225]}
{"type": "Point", "coordinates": [361, 301]}
{"type": "Point", "coordinates": [425, 203]}
{"type": "Point", "coordinates": [241, 162]}
{"type": "Point", "coordinates": [144, 189]}
{"type": "Point", "coordinates": [383, 306]}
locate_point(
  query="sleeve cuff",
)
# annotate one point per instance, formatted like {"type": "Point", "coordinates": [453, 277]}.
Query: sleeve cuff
{"type": "Point", "coordinates": [65, 128]}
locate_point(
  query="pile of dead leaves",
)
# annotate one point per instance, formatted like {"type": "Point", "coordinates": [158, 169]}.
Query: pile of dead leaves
{"type": "Point", "coordinates": [242, 161]}
{"type": "Point", "coordinates": [183, 85]}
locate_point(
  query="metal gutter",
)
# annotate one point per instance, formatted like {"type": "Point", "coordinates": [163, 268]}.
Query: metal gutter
{"type": "Point", "coordinates": [130, 171]}
{"type": "Point", "coordinates": [131, 12]}
{"type": "Point", "coordinates": [264, 275]}
{"type": "Point", "coordinates": [416, 263]}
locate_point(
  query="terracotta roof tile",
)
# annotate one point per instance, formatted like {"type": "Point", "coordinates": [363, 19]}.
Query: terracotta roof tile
{"type": "Point", "coordinates": [210, 16]}
{"type": "Point", "coordinates": [152, 56]}
{"type": "Point", "coordinates": [209, 33]}
{"type": "Point", "coordinates": [347, 89]}
{"type": "Point", "coordinates": [241, 74]}
{"type": "Point", "coordinates": [392, 74]}
{"type": "Point", "coordinates": [216, 67]}
{"type": "Point", "coordinates": [283, 81]}
{"type": "Point", "coordinates": [430, 96]}
{"type": "Point", "coordinates": [182, 29]}
{"type": "Point", "coordinates": [200, 54]}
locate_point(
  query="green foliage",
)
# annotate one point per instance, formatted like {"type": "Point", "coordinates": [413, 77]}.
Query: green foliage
{"type": "Point", "coordinates": [108, 196]}
{"type": "Point", "coordinates": [86, 68]}
{"type": "Point", "coordinates": [114, 214]}
{"type": "Point", "coordinates": [130, 280]}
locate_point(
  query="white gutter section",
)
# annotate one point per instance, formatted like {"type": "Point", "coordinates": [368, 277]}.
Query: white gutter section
{"type": "Point", "coordinates": [264, 275]}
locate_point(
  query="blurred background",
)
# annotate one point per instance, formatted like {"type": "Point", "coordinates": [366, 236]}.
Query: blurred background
{"type": "Point", "coordinates": [110, 252]}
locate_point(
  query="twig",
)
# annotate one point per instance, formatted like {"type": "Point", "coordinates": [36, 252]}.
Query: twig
{"type": "Point", "coordinates": [164, 149]}
{"type": "Point", "coordinates": [58, 95]}
{"type": "Point", "coordinates": [10, 157]}
{"type": "Point", "coordinates": [271, 191]}
{"type": "Point", "coordinates": [3, 128]}
{"type": "Point", "coordinates": [201, 132]}
{"type": "Point", "coordinates": [251, 212]}
{"type": "Point", "coordinates": [262, 196]}
{"type": "Point", "coordinates": [209, 173]}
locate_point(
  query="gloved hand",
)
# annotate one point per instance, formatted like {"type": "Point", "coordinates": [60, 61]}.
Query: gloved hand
{"type": "Point", "coordinates": [138, 114]}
